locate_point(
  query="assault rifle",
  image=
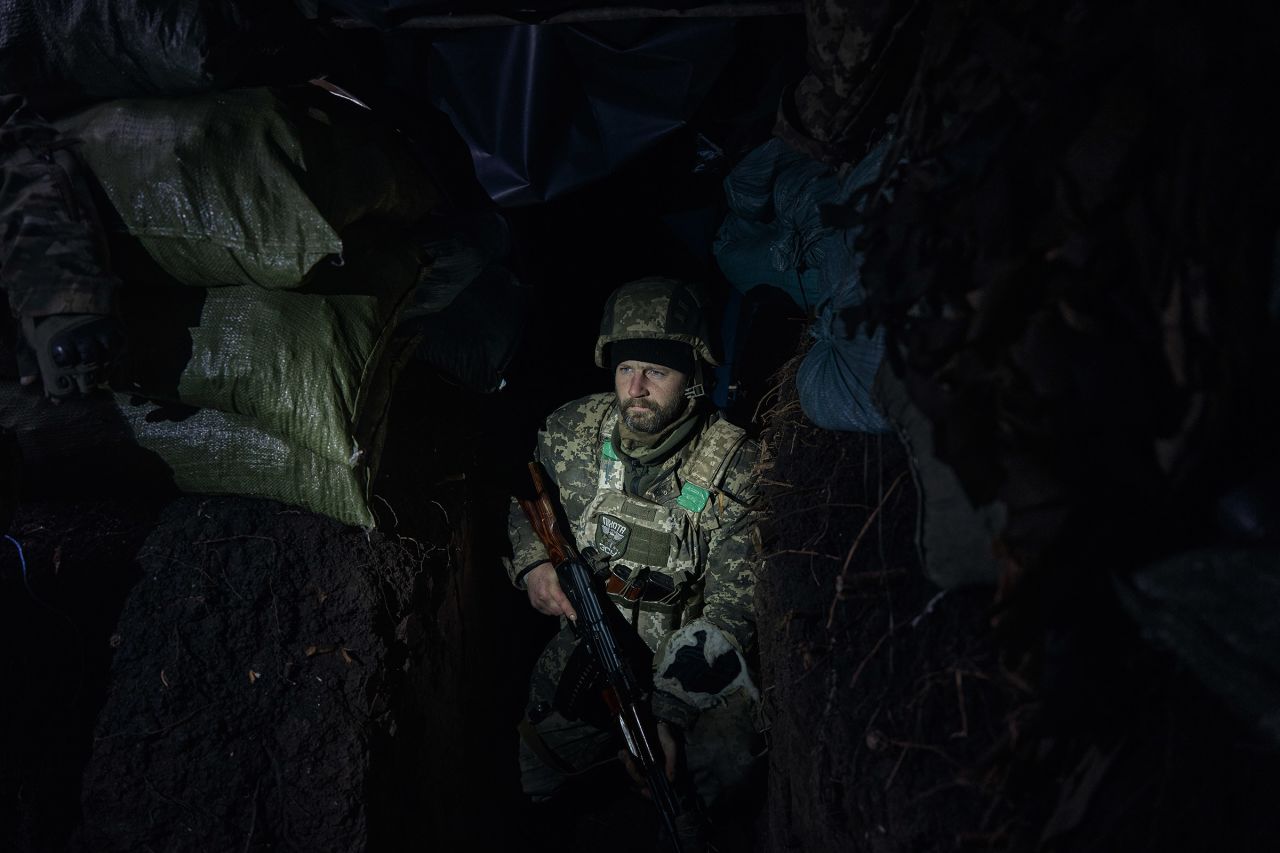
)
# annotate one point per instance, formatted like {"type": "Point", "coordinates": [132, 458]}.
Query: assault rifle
{"type": "Point", "coordinates": [596, 626]}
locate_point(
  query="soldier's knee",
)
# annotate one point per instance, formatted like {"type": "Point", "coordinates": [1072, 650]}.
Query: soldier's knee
{"type": "Point", "coordinates": [556, 749]}
{"type": "Point", "coordinates": [726, 747]}
{"type": "Point", "coordinates": [538, 781]}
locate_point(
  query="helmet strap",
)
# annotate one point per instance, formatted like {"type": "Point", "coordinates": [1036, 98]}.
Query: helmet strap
{"type": "Point", "coordinates": [696, 388]}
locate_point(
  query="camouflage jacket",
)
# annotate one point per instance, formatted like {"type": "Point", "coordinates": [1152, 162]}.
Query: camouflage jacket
{"type": "Point", "coordinates": [713, 561]}
{"type": "Point", "coordinates": [53, 256]}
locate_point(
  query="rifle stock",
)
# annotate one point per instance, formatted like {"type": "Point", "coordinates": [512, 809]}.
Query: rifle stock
{"type": "Point", "coordinates": [623, 693]}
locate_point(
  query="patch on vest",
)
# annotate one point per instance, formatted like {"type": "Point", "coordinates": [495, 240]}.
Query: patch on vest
{"type": "Point", "coordinates": [612, 536]}
{"type": "Point", "coordinates": [693, 498]}
{"type": "Point", "coordinates": [608, 452]}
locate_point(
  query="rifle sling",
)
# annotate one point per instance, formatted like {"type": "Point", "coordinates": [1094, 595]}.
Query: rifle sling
{"type": "Point", "coordinates": [530, 735]}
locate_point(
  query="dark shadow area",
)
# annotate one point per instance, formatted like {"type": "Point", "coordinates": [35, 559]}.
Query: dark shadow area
{"type": "Point", "coordinates": [62, 595]}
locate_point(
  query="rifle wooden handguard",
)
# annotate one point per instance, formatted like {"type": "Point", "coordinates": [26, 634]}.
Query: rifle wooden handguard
{"type": "Point", "coordinates": [541, 513]}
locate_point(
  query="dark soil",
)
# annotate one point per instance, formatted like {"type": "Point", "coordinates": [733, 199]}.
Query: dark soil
{"type": "Point", "coordinates": [217, 673]}
{"type": "Point", "coordinates": [243, 694]}
{"type": "Point", "coordinates": [256, 659]}
{"type": "Point", "coordinates": [884, 692]}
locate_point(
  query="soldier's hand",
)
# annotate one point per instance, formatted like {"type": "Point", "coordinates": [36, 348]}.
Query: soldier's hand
{"type": "Point", "coordinates": [71, 353]}
{"type": "Point", "coordinates": [545, 593]}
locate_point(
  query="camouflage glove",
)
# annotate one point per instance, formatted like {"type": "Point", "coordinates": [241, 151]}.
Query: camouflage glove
{"type": "Point", "coordinates": [71, 353]}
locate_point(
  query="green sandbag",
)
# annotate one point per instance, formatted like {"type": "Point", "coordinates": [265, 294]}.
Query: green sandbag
{"type": "Point", "coordinates": [252, 186]}
{"type": "Point", "coordinates": [212, 452]}
{"type": "Point", "coordinates": [108, 445]}
{"type": "Point", "coordinates": [311, 366]}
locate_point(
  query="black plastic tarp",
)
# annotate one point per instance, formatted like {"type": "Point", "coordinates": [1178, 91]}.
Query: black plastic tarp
{"type": "Point", "coordinates": [548, 109]}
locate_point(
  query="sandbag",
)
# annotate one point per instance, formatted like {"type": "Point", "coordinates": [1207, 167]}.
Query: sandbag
{"type": "Point", "coordinates": [110, 445]}
{"type": "Point", "coordinates": [758, 242]}
{"type": "Point", "coordinates": [748, 190]}
{"type": "Point", "coordinates": [775, 233]}
{"type": "Point", "coordinates": [253, 186]}
{"type": "Point", "coordinates": [212, 452]}
{"type": "Point", "coordinates": [313, 366]}
{"type": "Point", "coordinates": [836, 377]}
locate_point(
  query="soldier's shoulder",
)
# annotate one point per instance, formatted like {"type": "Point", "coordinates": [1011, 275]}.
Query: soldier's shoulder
{"type": "Point", "coordinates": [583, 413]}
{"type": "Point", "coordinates": [569, 445]}
{"type": "Point", "coordinates": [742, 477]}
{"type": "Point", "coordinates": [733, 439]}
{"type": "Point", "coordinates": [740, 472]}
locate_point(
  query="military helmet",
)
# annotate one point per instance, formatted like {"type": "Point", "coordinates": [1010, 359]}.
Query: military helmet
{"type": "Point", "coordinates": [661, 309]}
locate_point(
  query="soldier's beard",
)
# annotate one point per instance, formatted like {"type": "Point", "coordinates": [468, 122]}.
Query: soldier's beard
{"type": "Point", "coordinates": [654, 417]}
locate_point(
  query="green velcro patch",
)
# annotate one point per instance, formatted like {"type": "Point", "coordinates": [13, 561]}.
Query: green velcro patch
{"type": "Point", "coordinates": [693, 498]}
{"type": "Point", "coordinates": [608, 452]}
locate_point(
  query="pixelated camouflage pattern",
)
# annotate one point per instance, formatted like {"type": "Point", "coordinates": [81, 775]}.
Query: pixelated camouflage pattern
{"type": "Point", "coordinates": [712, 556]}
{"type": "Point", "coordinates": [53, 257]}
{"type": "Point", "coordinates": [847, 43]}
{"type": "Point", "coordinates": [655, 309]}
{"type": "Point", "coordinates": [704, 461]}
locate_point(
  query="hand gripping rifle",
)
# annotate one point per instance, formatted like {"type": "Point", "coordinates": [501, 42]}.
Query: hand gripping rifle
{"type": "Point", "coordinates": [597, 628]}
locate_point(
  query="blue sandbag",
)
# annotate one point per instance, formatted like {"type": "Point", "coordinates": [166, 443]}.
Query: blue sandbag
{"type": "Point", "coordinates": [745, 253]}
{"type": "Point", "coordinates": [748, 190]}
{"type": "Point", "coordinates": [837, 374]}
{"type": "Point", "coordinates": [773, 222]}
{"type": "Point", "coordinates": [774, 233]}
{"type": "Point", "coordinates": [836, 377]}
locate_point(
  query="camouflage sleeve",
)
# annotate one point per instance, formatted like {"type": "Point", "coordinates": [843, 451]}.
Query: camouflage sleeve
{"type": "Point", "coordinates": [526, 549]}
{"type": "Point", "coordinates": [704, 660]}
{"type": "Point", "coordinates": [52, 251]}
{"type": "Point", "coordinates": [850, 54]}
{"type": "Point", "coordinates": [566, 450]}
{"type": "Point", "coordinates": [732, 558]}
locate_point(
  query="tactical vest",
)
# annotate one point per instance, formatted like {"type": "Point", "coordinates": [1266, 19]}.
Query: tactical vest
{"type": "Point", "coordinates": [668, 544]}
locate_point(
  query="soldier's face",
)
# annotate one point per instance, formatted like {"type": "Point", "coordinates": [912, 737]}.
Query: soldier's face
{"type": "Point", "coordinates": [650, 396]}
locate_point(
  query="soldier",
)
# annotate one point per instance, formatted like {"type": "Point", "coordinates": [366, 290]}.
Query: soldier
{"type": "Point", "coordinates": [657, 481]}
{"type": "Point", "coordinates": [62, 298]}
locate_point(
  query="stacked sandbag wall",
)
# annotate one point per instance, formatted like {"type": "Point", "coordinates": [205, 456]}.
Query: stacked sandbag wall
{"type": "Point", "coordinates": [270, 241]}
